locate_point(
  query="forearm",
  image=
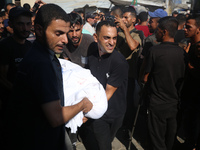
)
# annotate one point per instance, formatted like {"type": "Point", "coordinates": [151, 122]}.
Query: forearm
{"type": "Point", "coordinates": [133, 44]}
{"type": "Point", "coordinates": [58, 115]}
{"type": "Point", "coordinates": [110, 91]}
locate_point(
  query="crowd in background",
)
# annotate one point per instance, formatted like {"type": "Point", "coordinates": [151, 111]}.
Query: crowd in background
{"type": "Point", "coordinates": [140, 58]}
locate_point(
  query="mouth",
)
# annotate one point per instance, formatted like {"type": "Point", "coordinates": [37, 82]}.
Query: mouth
{"type": "Point", "coordinates": [60, 47]}
{"type": "Point", "coordinates": [110, 47]}
{"type": "Point", "coordinates": [75, 39]}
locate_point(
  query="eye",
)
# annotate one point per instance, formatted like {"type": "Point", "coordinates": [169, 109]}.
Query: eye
{"type": "Point", "coordinates": [106, 37]}
{"type": "Point", "coordinates": [70, 31]}
{"type": "Point", "coordinates": [59, 33]}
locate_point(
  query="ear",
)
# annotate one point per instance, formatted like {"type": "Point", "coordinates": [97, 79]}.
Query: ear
{"type": "Point", "coordinates": [39, 31]}
{"type": "Point", "coordinates": [134, 20]}
{"type": "Point", "coordinates": [198, 30]}
{"type": "Point", "coordinates": [95, 37]}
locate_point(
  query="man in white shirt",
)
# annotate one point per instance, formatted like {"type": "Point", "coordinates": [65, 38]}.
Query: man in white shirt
{"type": "Point", "coordinates": [89, 23]}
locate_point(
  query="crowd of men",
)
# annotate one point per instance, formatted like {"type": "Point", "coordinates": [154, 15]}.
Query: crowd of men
{"type": "Point", "coordinates": [144, 57]}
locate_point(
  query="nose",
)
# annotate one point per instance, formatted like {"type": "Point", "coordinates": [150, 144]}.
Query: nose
{"type": "Point", "coordinates": [74, 33]}
{"type": "Point", "coordinates": [64, 39]}
{"type": "Point", "coordinates": [112, 41]}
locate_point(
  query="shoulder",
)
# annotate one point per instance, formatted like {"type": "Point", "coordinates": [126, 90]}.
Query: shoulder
{"type": "Point", "coordinates": [88, 37]}
{"type": "Point", "coordinates": [118, 58]}
{"type": "Point", "coordinates": [6, 40]}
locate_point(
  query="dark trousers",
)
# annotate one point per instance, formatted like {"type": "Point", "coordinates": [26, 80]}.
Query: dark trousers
{"type": "Point", "coordinates": [162, 125]}
{"type": "Point", "coordinates": [99, 134]}
{"type": "Point", "coordinates": [191, 123]}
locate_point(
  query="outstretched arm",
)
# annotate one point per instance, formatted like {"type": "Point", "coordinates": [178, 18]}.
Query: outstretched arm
{"type": "Point", "coordinates": [58, 115]}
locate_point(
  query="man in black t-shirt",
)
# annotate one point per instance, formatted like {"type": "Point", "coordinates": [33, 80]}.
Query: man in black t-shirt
{"type": "Point", "coordinates": [190, 95]}
{"type": "Point", "coordinates": [36, 115]}
{"type": "Point", "coordinates": [111, 69]}
{"type": "Point", "coordinates": [76, 49]}
{"type": "Point", "coordinates": [13, 50]}
{"type": "Point", "coordinates": [164, 71]}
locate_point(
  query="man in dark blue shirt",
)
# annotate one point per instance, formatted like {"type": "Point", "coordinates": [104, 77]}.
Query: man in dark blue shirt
{"type": "Point", "coordinates": [36, 115]}
{"type": "Point", "coordinates": [111, 69]}
{"type": "Point", "coordinates": [164, 71]}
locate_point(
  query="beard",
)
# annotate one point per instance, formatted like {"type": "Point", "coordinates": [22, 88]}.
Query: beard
{"type": "Point", "coordinates": [75, 41]}
{"type": "Point", "coordinates": [22, 34]}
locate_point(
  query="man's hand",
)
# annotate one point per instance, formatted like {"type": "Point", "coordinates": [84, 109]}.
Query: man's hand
{"type": "Point", "coordinates": [87, 105]}
{"type": "Point", "coordinates": [85, 119]}
{"type": "Point", "coordinates": [120, 23]}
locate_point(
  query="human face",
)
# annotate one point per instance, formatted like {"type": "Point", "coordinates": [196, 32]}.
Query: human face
{"type": "Point", "coordinates": [96, 18]}
{"type": "Point", "coordinates": [1, 25]}
{"type": "Point", "coordinates": [153, 23]}
{"type": "Point", "coordinates": [128, 19]}
{"type": "Point", "coordinates": [106, 38]}
{"type": "Point", "coordinates": [9, 7]}
{"type": "Point", "coordinates": [22, 26]}
{"type": "Point", "coordinates": [159, 34]}
{"type": "Point", "coordinates": [56, 35]}
{"type": "Point", "coordinates": [190, 28]}
{"type": "Point", "coordinates": [91, 21]}
{"type": "Point", "coordinates": [75, 34]}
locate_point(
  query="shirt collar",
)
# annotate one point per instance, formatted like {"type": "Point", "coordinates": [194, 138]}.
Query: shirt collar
{"type": "Point", "coordinates": [52, 54]}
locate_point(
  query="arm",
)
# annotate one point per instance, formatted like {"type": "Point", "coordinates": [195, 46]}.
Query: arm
{"type": "Point", "coordinates": [58, 115]}
{"type": "Point", "coordinates": [145, 79]}
{"type": "Point", "coordinates": [9, 29]}
{"type": "Point", "coordinates": [110, 91]}
{"type": "Point", "coordinates": [132, 43]}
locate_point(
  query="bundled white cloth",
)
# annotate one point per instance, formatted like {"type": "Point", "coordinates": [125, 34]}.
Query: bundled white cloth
{"type": "Point", "coordinates": [77, 84]}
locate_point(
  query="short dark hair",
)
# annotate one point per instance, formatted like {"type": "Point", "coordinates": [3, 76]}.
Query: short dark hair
{"type": "Point", "coordinates": [181, 18]}
{"type": "Point", "coordinates": [8, 4]}
{"type": "Point", "coordinates": [117, 10]}
{"type": "Point", "coordinates": [170, 24]}
{"type": "Point", "coordinates": [143, 16]}
{"type": "Point", "coordinates": [196, 17]}
{"type": "Point", "coordinates": [49, 12]}
{"type": "Point", "coordinates": [130, 9]}
{"type": "Point", "coordinates": [18, 11]}
{"type": "Point", "coordinates": [107, 23]}
{"type": "Point", "coordinates": [75, 19]}
{"type": "Point", "coordinates": [27, 6]}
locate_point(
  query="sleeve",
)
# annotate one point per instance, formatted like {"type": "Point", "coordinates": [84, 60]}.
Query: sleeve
{"type": "Point", "coordinates": [118, 73]}
{"type": "Point", "coordinates": [136, 37]}
{"type": "Point", "coordinates": [44, 83]}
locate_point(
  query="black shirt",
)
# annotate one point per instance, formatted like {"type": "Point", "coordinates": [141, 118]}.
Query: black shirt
{"type": "Point", "coordinates": [180, 35]}
{"type": "Point", "coordinates": [12, 54]}
{"type": "Point", "coordinates": [166, 66]}
{"type": "Point", "coordinates": [111, 69]}
{"type": "Point", "coordinates": [37, 83]}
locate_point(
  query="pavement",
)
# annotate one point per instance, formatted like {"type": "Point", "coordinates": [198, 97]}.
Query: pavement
{"type": "Point", "coordinates": [120, 142]}
{"type": "Point", "coordinates": [140, 139]}
{"type": "Point", "coordinates": [116, 145]}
